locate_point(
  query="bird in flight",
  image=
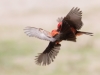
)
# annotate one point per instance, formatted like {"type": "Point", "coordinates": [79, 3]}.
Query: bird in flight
{"type": "Point", "coordinates": [67, 29]}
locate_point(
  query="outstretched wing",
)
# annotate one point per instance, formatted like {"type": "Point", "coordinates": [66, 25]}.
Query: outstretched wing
{"type": "Point", "coordinates": [74, 18]}
{"type": "Point", "coordinates": [66, 32]}
{"type": "Point", "coordinates": [48, 55]}
{"type": "Point", "coordinates": [39, 33]}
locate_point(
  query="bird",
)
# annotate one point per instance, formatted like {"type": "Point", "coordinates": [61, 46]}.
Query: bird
{"type": "Point", "coordinates": [67, 30]}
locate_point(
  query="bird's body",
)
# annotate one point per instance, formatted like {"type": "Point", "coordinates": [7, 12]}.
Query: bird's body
{"type": "Point", "coordinates": [67, 29]}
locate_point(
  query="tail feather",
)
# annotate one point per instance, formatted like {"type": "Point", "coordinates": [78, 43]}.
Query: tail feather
{"type": "Point", "coordinates": [80, 33]}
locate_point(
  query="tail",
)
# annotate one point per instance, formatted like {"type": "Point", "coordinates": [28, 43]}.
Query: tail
{"type": "Point", "coordinates": [78, 33]}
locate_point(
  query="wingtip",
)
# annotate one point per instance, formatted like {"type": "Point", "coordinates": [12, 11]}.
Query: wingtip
{"type": "Point", "coordinates": [42, 59]}
{"type": "Point", "coordinates": [47, 57]}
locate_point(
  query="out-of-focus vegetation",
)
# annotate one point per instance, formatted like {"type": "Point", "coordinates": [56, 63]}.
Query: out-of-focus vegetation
{"type": "Point", "coordinates": [18, 51]}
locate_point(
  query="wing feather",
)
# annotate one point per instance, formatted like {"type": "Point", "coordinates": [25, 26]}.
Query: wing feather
{"type": "Point", "coordinates": [39, 33]}
{"type": "Point", "coordinates": [48, 55]}
{"type": "Point", "coordinates": [74, 17]}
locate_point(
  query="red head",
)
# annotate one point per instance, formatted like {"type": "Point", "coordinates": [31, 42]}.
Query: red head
{"type": "Point", "coordinates": [59, 26]}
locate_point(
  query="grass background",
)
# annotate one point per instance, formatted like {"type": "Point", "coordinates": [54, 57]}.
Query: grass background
{"type": "Point", "coordinates": [18, 51]}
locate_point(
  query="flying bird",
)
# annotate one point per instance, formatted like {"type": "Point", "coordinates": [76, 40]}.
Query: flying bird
{"type": "Point", "coordinates": [67, 29]}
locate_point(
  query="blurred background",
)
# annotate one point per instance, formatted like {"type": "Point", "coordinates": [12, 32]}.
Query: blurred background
{"type": "Point", "coordinates": [18, 51]}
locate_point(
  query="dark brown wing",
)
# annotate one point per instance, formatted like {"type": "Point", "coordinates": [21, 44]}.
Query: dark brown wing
{"type": "Point", "coordinates": [74, 18]}
{"type": "Point", "coordinates": [48, 55]}
{"type": "Point", "coordinates": [66, 32]}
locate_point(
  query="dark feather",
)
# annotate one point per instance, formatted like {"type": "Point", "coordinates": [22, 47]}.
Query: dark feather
{"type": "Point", "coordinates": [74, 18]}
{"type": "Point", "coordinates": [66, 32]}
{"type": "Point", "coordinates": [49, 54]}
{"type": "Point", "coordinates": [81, 32]}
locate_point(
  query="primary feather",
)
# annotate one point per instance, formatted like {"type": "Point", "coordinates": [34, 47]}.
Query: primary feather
{"type": "Point", "coordinates": [39, 33]}
{"type": "Point", "coordinates": [74, 18]}
{"type": "Point", "coordinates": [48, 55]}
